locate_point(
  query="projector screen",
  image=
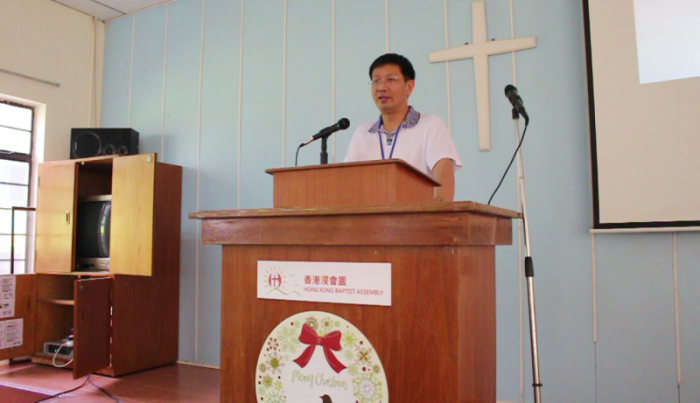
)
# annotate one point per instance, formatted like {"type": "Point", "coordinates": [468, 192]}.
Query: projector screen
{"type": "Point", "coordinates": [644, 94]}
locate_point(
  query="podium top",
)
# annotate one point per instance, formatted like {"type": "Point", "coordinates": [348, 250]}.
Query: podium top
{"type": "Point", "coordinates": [434, 207]}
{"type": "Point", "coordinates": [396, 224]}
{"type": "Point", "coordinates": [393, 161]}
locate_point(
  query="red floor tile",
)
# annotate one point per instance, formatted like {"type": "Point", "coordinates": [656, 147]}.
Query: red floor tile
{"type": "Point", "coordinates": [12, 395]}
{"type": "Point", "coordinates": [173, 383]}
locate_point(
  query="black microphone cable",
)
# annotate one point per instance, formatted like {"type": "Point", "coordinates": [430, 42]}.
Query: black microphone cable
{"type": "Point", "coordinates": [511, 163]}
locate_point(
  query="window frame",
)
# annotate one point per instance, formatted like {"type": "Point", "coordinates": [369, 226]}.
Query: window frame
{"type": "Point", "coordinates": [19, 157]}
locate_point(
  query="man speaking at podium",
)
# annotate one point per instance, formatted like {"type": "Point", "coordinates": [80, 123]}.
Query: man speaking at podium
{"type": "Point", "coordinates": [420, 139]}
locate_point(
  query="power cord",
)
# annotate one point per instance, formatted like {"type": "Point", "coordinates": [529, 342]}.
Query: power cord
{"type": "Point", "coordinates": [511, 163]}
{"type": "Point", "coordinates": [88, 380]}
{"type": "Point", "coordinates": [68, 343]}
{"type": "Point", "coordinates": [104, 391]}
{"type": "Point", "coordinates": [63, 393]}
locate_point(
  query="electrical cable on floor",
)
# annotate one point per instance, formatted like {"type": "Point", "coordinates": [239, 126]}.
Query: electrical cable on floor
{"type": "Point", "coordinates": [58, 395]}
{"type": "Point", "coordinates": [63, 393]}
{"type": "Point", "coordinates": [105, 392]}
{"type": "Point", "coordinates": [70, 344]}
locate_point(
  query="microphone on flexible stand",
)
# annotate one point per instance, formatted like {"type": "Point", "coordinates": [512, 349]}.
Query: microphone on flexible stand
{"type": "Point", "coordinates": [519, 109]}
{"type": "Point", "coordinates": [342, 124]}
{"type": "Point", "coordinates": [517, 102]}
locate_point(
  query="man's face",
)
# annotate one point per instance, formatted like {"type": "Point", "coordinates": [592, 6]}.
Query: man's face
{"type": "Point", "coordinates": [390, 89]}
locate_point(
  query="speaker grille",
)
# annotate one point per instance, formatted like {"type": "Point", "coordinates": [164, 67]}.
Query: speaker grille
{"type": "Point", "coordinates": [86, 144]}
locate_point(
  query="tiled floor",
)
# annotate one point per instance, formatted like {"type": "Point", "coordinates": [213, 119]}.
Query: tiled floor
{"type": "Point", "coordinates": [173, 383]}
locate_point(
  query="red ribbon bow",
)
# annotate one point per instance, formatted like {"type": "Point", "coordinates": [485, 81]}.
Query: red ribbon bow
{"type": "Point", "coordinates": [329, 342]}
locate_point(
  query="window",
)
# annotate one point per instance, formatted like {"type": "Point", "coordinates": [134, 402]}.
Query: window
{"type": "Point", "coordinates": [16, 127]}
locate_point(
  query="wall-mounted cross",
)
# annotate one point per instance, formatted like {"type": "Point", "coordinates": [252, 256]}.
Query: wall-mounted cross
{"type": "Point", "coordinates": [480, 50]}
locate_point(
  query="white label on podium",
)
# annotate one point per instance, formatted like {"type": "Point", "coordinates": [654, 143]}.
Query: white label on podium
{"type": "Point", "coordinates": [335, 282]}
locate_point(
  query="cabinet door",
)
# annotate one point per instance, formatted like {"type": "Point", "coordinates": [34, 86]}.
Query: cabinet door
{"type": "Point", "coordinates": [55, 218]}
{"type": "Point", "coordinates": [91, 324]}
{"type": "Point", "coordinates": [24, 291]}
{"type": "Point", "coordinates": [131, 233]}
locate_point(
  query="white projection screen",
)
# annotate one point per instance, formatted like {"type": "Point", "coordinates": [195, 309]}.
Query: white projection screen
{"type": "Point", "coordinates": [643, 61]}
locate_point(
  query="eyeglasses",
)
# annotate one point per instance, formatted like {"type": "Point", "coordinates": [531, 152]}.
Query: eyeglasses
{"type": "Point", "coordinates": [389, 81]}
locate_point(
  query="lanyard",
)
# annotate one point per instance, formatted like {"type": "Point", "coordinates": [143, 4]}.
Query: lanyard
{"type": "Point", "coordinates": [381, 143]}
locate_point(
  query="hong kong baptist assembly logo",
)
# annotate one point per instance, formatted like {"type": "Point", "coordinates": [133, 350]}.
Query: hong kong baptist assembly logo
{"type": "Point", "coordinates": [276, 282]}
{"type": "Point", "coordinates": [318, 357]}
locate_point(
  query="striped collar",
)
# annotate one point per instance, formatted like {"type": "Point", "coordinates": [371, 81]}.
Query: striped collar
{"type": "Point", "coordinates": [411, 120]}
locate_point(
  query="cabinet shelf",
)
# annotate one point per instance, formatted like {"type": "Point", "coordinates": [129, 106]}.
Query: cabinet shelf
{"type": "Point", "coordinates": [81, 273]}
{"type": "Point", "coordinates": [47, 359]}
{"type": "Point", "coordinates": [67, 302]}
{"type": "Point", "coordinates": [98, 198]}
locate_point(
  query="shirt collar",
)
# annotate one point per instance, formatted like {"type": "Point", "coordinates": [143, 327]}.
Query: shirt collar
{"type": "Point", "coordinates": [411, 120]}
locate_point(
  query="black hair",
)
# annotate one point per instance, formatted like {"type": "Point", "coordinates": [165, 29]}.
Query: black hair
{"type": "Point", "coordinates": [393, 58]}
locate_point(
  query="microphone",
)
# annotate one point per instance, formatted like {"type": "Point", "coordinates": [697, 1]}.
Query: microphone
{"type": "Point", "coordinates": [516, 101]}
{"type": "Point", "coordinates": [342, 124]}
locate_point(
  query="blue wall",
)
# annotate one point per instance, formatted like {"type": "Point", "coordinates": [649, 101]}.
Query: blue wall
{"type": "Point", "coordinates": [179, 85]}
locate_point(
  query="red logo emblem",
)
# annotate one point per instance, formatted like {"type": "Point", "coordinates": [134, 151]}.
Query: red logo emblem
{"type": "Point", "coordinates": [274, 280]}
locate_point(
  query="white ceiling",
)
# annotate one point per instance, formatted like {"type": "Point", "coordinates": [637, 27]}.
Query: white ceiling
{"type": "Point", "coordinates": [107, 9]}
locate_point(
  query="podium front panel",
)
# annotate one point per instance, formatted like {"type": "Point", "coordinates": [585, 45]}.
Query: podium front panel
{"type": "Point", "coordinates": [437, 342]}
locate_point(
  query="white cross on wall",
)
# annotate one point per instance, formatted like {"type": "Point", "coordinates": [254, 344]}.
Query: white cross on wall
{"type": "Point", "coordinates": [480, 50]}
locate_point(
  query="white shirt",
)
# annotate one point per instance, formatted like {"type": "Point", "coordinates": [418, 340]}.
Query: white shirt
{"type": "Point", "coordinates": [422, 141]}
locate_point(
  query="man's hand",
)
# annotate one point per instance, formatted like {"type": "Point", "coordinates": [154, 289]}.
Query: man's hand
{"type": "Point", "coordinates": [443, 172]}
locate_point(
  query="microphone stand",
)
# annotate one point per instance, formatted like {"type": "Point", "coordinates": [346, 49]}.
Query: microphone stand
{"type": "Point", "coordinates": [529, 268]}
{"type": "Point", "coordinates": [324, 154]}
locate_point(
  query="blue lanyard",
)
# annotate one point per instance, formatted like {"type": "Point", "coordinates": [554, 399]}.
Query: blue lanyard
{"type": "Point", "coordinates": [381, 143]}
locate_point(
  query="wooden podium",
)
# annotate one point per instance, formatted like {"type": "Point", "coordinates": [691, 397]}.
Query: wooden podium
{"type": "Point", "coordinates": [437, 341]}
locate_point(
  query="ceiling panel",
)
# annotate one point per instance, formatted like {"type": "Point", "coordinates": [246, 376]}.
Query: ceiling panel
{"type": "Point", "coordinates": [108, 9]}
{"type": "Point", "coordinates": [129, 6]}
{"type": "Point", "coordinates": [91, 8]}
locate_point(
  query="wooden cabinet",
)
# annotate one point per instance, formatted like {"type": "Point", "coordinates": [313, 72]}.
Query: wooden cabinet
{"type": "Point", "coordinates": [124, 319]}
{"type": "Point", "coordinates": [135, 185]}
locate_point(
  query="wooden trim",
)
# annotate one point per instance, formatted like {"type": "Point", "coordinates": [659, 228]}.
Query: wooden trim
{"type": "Point", "coordinates": [199, 365]}
{"type": "Point", "coordinates": [402, 163]}
{"type": "Point", "coordinates": [434, 207]}
{"type": "Point", "coordinates": [102, 158]}
{"type": "Point", "coordinates": [107, 159]}
{"type": "Point", "coordinates": [80, 273]}
{"type": "Point", "coordinates": [444, 228]}
{"type": "Point", "coordinates": [66, 302]}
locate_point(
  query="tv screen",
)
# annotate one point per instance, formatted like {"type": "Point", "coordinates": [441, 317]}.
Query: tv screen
{"type": "Point", "coordinates": [92, 229]}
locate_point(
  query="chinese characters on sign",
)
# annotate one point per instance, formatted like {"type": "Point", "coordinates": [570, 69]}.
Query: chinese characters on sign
{"type": "Point", "coordinates": [325, 280]}
{"type": "Point", "coordinates": [335, 282]}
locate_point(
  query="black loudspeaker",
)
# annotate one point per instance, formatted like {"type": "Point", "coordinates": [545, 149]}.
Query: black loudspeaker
{"type": "Point", "coordinates": [93, 142]}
